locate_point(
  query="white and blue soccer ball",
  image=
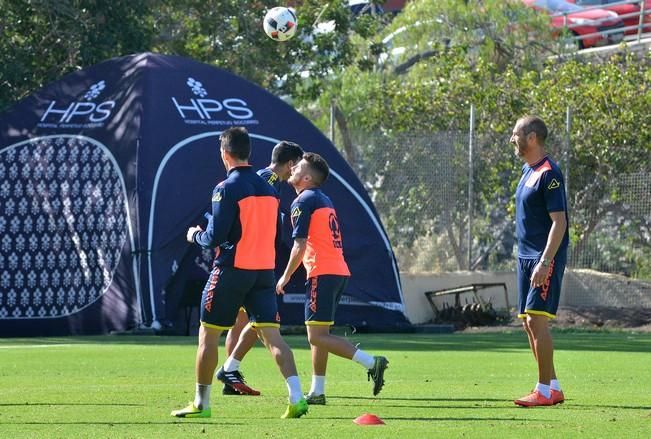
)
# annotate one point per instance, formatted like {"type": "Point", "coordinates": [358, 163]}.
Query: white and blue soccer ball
{"type": "Point", "coordinates": [280, 23]}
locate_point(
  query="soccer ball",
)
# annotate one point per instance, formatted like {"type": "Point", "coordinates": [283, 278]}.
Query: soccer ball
{"type": "Point", "coordinates": [280, 23]}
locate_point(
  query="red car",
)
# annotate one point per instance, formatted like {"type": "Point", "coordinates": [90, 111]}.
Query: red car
{"type": "Point", "coordinates": [629, 12]}
{"type": "Point", "coordinates": [594, 27]}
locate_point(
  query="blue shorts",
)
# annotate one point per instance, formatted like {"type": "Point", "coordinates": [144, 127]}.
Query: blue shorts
{"type": "Point", "coordinates": [541, 300]}
{"type": "Point", "coordinates": [228, 289]}
{"type": "Point", "coordinates": [322, 297]}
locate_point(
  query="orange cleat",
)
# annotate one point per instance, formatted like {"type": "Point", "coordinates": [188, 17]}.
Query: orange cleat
{"type": "Point", "coordinates": [534, 399]}
{"type": "Point", "coordinates": [557, 397]}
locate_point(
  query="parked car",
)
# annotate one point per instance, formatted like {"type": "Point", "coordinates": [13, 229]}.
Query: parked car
{"type": "Point", "coordinates": [628, 12]}
{"type": "Point", "coordinates": [594, 27]}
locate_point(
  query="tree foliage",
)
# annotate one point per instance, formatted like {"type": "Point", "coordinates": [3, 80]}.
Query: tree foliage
{"type": "Point", "coordinates": [41, 40]}
{"type": "Point", "coordinates": [44, 39]}
{"type": "Point", "coordinates": [412, 126]}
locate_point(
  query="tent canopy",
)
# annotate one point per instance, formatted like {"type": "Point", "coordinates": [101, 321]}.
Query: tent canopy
{"type": "Point", "coordinates": [102, 172]}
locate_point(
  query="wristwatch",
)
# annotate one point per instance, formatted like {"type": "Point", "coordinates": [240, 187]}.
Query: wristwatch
{"type": "Point", "coordinates": [544, 262]}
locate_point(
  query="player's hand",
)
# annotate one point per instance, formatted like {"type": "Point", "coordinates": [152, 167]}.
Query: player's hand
{"type": "Point", "coordinates": [280, 286]}
{"type": "Point", "coordinates": [539, 275]}
{"type": "Point", "coordinates": [191, 232]}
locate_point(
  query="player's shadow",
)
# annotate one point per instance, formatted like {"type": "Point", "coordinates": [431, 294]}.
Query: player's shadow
{"type": "Point", "coordinates": [433, 419]}
{"type": "Point", "coordinates": [111, 423]}
{"type": "Point", "coordinates": [614, 406]}
{"type": "Point", "coordinates": [27, 404]}
{"type": "Point", "coordinates": [420, 399]}
{"type": "Point", "coordinates": [507, 406]}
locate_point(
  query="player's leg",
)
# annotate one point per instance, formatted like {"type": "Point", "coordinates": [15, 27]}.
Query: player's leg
{"type": "Point", "coordinates": [263, 312]}
{"type": "Point", "coordinates": [529, 299]}
{"type": "Point", "coordinates": [523, 276]}
{"type": "Point", "coordinates": [532, 345]}
{"type": "Point", "coordinates": [247, 340]}
{"type": "Point", "coordinates": [220, 301]}
{"type": "Point", "coordinates": [527, 329]}
{"type": "Point", "coordinates": [234, 333]}
{"type": "Point", "coordinates": [229, 373]}
{"type": "Point", "coordinates": [206, 363]}
{"type": "Point", "coordinates": [540, 306]}
{"type": "Point", "coordinates": [323, 295]}
{"type": "Point", "coordinates": [316, 395]}
{"type": "Point", "coordinates": [284, 358]}
{"type": "Point", "coordinates": [555, 286]}
{"type": "Point", "coordinates": [544, 347]}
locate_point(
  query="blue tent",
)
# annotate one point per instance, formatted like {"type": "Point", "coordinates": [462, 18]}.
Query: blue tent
{"type": "Point", "coordinates": [102, 172]}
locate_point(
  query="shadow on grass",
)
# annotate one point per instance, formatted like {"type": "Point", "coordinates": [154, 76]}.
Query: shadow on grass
{"type": "Point", "coordinates": [28, 404]}
{"type": "Point", "coordinates": [193, 422]}
{"type": "Point", "coordinates": [385, 343]}
{"type": "Point", "coordinates": [620, 407]}
{"type": "Point", "coordinates": [509, 403]}
{"type": "Point", "coordinates": [418, 399]}
{"type": "Point", "coordinates": [441, 419]}
{"type": "Point", "coordinates": [504, 341]}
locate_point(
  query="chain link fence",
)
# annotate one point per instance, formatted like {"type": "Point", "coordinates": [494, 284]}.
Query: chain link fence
{"type": "Point", "coordinates": [448, 210]}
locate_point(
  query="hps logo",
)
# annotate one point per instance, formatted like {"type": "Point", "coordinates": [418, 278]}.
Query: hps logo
{"type": "Point", "coordinates": [95, 90]}
{"type": "Point", "coordinates": [201, 110]}
{"type": "Point", "coordinates": [80, 114]}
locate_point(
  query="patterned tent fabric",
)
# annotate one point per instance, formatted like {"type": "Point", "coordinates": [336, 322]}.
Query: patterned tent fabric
{"type": "Point", "coordinates": [63, 223]}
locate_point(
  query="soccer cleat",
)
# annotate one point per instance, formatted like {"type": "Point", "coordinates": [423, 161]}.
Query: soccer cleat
{"type": "Point", "coordinates": [191, 411]}
{"type": "Point", "coordinates": [295, 410]}
{"type": "Point", "coordinates": [534, 399]}
{"type": "Point", "coordinates": [376, 373]}
{"type": "Point", "coordinates": [228, 390]}
{"type": "Point", "coordinates": [236, 381]}
{"type": "Point", "coordinates": [557, 397]}
{"type": "Point", "coordinates": [313, 399]}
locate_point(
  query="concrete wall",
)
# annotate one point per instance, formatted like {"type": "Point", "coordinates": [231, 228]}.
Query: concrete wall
{"type": "Point", "coordinates": [414, 286]}
{"type": "Point", "coordinates": [581, 287]}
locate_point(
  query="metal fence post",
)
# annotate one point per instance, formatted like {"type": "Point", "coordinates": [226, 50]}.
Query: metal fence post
{"type": "Point", "coordinates": [470, 183]}
{"type": "Point", "coordinates": [641, 22]}
{"type": "Point", "coordinates": [332, 121]}
{"type": "Point", "coordinates": [568, 146]}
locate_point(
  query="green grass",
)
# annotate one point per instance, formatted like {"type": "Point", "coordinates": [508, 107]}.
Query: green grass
{"type": "Point", "coordinates": [458, 385]}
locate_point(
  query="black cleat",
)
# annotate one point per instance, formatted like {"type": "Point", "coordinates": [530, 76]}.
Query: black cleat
{"type": "Point", "coordinates": [313, 399]}
{"type": "Point", "coordinates": [376, 373]}
{"type": "Point", "coordinates": [228, 390]}
{"type": "Point", "coordinates": [235, 380]}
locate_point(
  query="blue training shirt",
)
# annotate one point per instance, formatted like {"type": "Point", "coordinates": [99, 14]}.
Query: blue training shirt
{"type": "Point", "coordinates": [244, 222]}
{"type": "Point", "coordinates": [275, 182]}
{"type": "Point", "coordinates": [541, 190]}
{"type": "Point", "coordinates": [270, 177]}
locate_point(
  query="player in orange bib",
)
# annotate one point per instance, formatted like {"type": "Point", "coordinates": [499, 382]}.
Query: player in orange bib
{"type": "Point", "coordinates": [242, 336]}
{"type": "Point", "coordinates": [243, 229]}
{"type": "Point", "coordinates": [318, 244]}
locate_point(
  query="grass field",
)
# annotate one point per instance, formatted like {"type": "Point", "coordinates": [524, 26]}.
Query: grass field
{"type": "Point", "coordinates": [458, 385]}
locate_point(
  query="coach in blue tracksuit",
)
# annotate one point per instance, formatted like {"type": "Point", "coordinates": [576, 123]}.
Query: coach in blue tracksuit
{"type": "Point", "coordinates": [542, 231]}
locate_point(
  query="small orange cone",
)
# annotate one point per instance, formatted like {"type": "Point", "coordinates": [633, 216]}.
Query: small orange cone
{"type": "Point", "coordinates": [368, 419]}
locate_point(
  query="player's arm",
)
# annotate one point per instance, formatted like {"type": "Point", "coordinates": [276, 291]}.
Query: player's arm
{"type": "Point", "coordinates": [223, 216]}
{"type": "Point", "coordinates": [300, 216]}
{"type": "Point", "coordinates": [295, 259]}
{"type": "Point", "coordinates": [556, 205]}
{"type": "Point", "coordinates": [554, 239]}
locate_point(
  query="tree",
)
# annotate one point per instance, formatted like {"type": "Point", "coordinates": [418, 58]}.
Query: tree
{"type": "Point", "coordinates": [45, 39]}
{"type": "Point", "coordinates": [411, 116]}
